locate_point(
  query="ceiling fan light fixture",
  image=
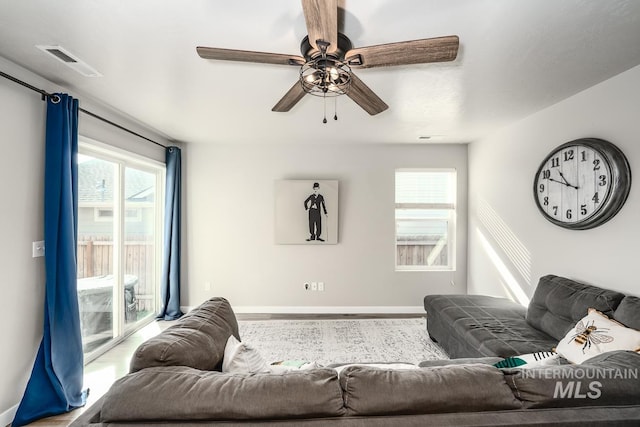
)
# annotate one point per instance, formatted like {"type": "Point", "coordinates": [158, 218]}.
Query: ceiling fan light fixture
{"type": "Point", "coordinates": [325, 77]}
{"type": "Point", "coordinates": [327, 56]}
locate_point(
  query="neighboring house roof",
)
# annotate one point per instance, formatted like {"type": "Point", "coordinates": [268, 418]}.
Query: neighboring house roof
{"type": "Point", "coordinates": [95, 183]}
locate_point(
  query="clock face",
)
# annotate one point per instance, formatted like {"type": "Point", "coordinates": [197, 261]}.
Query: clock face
{"type": "Point", "coordinates": [579, 184]}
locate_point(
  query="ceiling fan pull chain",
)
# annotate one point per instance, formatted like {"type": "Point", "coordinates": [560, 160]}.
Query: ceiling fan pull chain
{"type": "Point", "coordinates": [324, 99]}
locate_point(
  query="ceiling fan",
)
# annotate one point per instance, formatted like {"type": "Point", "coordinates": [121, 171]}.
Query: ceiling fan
{"type": "Point", "coordinates": [328, 56]}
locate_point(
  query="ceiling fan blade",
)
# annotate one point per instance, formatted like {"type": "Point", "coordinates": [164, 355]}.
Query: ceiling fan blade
{"type": "Point", "coordinates": [248, 56]}
{"type": "Point", "coordinates": [439, 49]}
{"type": "Point", "coordinates": [290, 98]}
{"type": "Point", "coordinates": [321, 17]}
{"type": "Point", "coordinates": [364, 97]}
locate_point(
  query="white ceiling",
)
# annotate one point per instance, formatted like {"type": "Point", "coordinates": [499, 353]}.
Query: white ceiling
{"type": "Point", "coordinates": [516, 57]}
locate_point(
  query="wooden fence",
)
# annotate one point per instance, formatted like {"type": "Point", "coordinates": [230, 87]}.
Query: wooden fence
{"type": "Point", "coordinates": [412, 254]}
{"type": "Point", "coordinates": [95, 258]}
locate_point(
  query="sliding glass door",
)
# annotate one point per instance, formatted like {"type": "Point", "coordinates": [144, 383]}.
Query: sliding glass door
{"type": "Point", "coordinates": [119, 217]}
{"type": "Point", "coordinates": [96, 250]}
{"type": "Point", "coordinates": [140, 245]}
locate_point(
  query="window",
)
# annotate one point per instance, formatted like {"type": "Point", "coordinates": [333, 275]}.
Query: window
{"type": "Point", "coordinates": [425, 214]}
{"type": "Point", "coordinates": [119, 243]}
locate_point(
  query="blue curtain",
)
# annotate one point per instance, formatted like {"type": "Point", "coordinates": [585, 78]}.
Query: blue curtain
{"type": "Point", "coordinates": [170, 281]}
{"type": "Point", "coordinates": [55, 385]}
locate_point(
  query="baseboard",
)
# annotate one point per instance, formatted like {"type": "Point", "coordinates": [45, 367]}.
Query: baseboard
{"type": "Point", "coordinates": [310, 309]}
{"type": "Point", "coordinates": [307, 309]}
{"type": "Point", "coordinates": [7, 416]}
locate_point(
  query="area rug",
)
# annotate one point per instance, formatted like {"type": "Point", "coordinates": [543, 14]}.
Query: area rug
{"type": "Point", "coordinates": [341, 341]}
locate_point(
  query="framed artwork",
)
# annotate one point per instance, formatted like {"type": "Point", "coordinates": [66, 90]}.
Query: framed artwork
{"type": "Point", "coordinates": [306, 212]}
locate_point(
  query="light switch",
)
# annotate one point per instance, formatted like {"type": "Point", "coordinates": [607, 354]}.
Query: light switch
{"type": "Point", "coordinates": [37, 249]}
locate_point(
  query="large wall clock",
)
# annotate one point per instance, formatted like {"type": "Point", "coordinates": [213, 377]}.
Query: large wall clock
{"type": "Point", "coordinates": [582, 184]}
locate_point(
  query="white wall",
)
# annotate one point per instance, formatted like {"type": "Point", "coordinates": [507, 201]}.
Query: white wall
{"type": "Point", "coordinates": [22, 120]}
{"type": "Point", "coordinates": [510, 241]}
{"type": "Point", "coordinates": [229, 240]}
{"type": "Point", "coordinates": [21, 222]}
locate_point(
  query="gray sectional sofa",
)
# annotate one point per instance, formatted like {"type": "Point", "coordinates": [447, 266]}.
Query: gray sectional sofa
{"type": "Point", "coordinates": [175, 380]}
{"type": "Point", "coordinates": [480, 326]}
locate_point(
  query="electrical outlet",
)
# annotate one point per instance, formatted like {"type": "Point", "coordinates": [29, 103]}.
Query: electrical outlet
{"type": "Point", "coordinates": [321, 286]}
{"type": "Point", "coordinates": [207, 286]}
{"type": "Point", "coordinates": [314, 286]}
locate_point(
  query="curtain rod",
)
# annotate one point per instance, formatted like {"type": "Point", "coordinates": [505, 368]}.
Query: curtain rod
{"type": "Point", "coordinates": [44, 94]}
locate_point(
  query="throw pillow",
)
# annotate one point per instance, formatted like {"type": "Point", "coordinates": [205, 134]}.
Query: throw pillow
{"type": "Point", "coordinates": [240, 358]}
{"type": "Point", "coordinates": [531, 360]}
{"type": "Point", "coordinates": [596, 334]}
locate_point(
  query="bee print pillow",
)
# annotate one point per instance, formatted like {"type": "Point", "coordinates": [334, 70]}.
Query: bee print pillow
{"type": "Point", "coordinates": [596, 334]}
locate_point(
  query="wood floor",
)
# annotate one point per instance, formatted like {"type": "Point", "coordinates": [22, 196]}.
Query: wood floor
{"type": "Point", "coordinates": [101, 373]}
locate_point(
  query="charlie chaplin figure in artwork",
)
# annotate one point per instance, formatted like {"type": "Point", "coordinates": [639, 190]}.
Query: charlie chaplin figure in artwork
{"type": "Point", "coordinates": [313, 204]}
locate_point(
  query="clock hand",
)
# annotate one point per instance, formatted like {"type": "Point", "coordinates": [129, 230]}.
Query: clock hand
{"type": "Point", "coordinates": [559, 182]}
{"type": "Point", "coordinates": [567, 182]}
{"type": "Point", "coordinates": [563, 183]}
{"type": "Point", "coordinates": [563, 178]}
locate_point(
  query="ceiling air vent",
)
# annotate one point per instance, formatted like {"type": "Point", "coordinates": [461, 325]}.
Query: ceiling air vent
{"type": "Point", "coordinates": [70, 60]}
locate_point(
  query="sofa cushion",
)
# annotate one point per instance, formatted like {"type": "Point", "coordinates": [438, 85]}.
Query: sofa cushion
{"type": "Point", "coordinates": [198, 339]}
{"type": "Point", "coordinates": [181, 393]}
{"type": "Point", "coordinates": [558, 303]}
{"type": "Point", "coordinates": [582, 343]}
{"type": "Point", "coordinates": [480, 326]}
{"type": "Point", "coordinates": [628, 312]}
{"type": "Point", "coordinates": [608, 379]}
{"type": "Point", "coordinates": [456, 388]}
